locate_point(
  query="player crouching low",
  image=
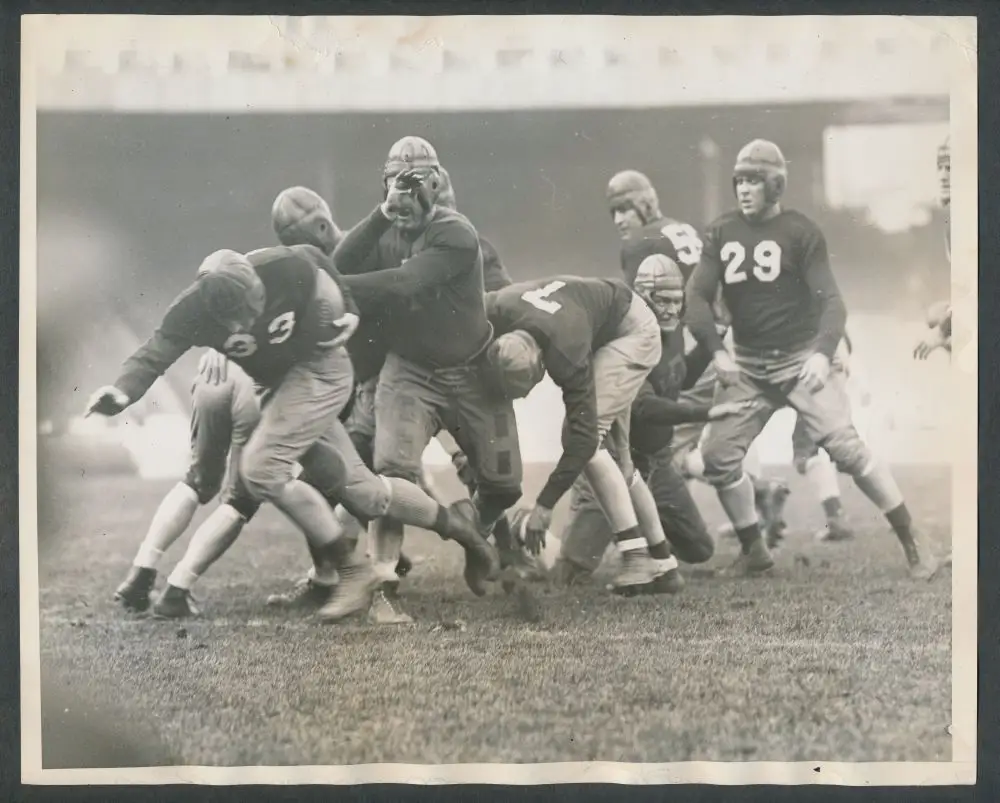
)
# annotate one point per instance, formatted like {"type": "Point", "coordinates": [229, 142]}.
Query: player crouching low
{"type": "Point", "coordinates": [598, 341]}
{"type": "Point", "coordinates": [788, 319]}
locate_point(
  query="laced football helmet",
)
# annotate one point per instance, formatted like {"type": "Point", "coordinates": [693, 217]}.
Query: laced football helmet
{"type": "Point", "coordinates": [763, 159]}
{"type": "Point", "coordinates": [631, 189]}
{"type": "Point", "coordinates": [413, 153]}
{"type": "Point", "coordinates": [660, 283]}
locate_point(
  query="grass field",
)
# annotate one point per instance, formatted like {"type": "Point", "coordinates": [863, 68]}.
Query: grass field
{"type": "Point", "coordinates": [837, 657]}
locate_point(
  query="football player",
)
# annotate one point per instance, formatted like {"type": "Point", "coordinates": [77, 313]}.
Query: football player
{"type": "Point", "coordinates": [437, 333]}
{"type": "Point", "coordinates": [280, 314]}
{"type": "Point", "coordinates": [656, 409]}
{"type": "Point", "coordinates": [939, 315]}
{"type": "Point", "coordinates": [788, 319]}
{"type": "Point", "coordinates": [644, 230]}
{"type": "Point", "coordinates": [598, 341]}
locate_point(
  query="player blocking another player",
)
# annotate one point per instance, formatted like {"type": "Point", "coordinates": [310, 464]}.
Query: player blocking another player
{"type": "Point", "coordinates": [420, 267]}
{"type": "Point", "coordinates": [598, 341]}
{"type": "Point", "coordinates": [283, 318]}
{"type": "Point", "coordinates": [787, 321]}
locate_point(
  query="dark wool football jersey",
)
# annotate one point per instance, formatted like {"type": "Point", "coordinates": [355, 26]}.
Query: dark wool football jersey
{"type": "Point", "coordinates": [281, 336]}
{"type": "Point", "coordinates": [776, 283]}
{"type": "Point", "coordinates": [495, 275]}
{"type": "Point", "coordinates": [673, 239]}
{"type": "Point", "coordinates": [658, 408]}
{"type": "Point", "coordinates": [570, 318]}
{"type": "Point", "coordinates": [427, 290]}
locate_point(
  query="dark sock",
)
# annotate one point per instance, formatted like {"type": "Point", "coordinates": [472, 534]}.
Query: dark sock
{"type": "Point", "coordinates": [661, 551]}
{"type": "Point", "coordinates": [748, 536]}
{"type": "Point", "coordinates": [899, 518]}
{"type": "Point", "coordinates": [441, 521]}
{"type": "Point", "coordinates": [832, 507]}
{"type": "Point", "coordinates": [628, 535]}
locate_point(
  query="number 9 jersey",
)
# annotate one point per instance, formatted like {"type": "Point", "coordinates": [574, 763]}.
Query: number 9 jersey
{"type": "Point", "coordinates": [775, 277]}
{"type": "Point", "coordinates": [671, 238]}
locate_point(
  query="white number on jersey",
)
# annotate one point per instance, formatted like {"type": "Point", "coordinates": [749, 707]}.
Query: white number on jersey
{"type": "Point", "coordinates": [281, 328]}
{"type": "Point", "coordinates": [766, 258]}
{"type": "Point", "coordinates": [539, 298]}
{"type": "Point", "coordinates": [685, 241]}
{"type": "Point", "coordinates": [240, 345]}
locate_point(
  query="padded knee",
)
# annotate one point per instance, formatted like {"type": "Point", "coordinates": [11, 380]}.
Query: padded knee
{"type": "Point", "coordinates": [242, 503]}
{"type": "Point", "coordinates": [263, 478]}
{"type": "Point", "coordinates": [723, 462]}
{"type": "Point", "coordinates": [848, 452]}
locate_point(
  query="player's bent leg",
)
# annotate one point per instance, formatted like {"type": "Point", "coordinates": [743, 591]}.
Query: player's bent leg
{"type": "Point", "coordinates": [827, 416]}
{"type": "Point", "coordinates": [298, 412]}
{"type": "Point", "coordinates": [211, 436]}
{"type": "Point", "coordinates": [682, 521]}
{"type": "Point", "coordinates": [723, 450]}
{"type": "Point", "coordinates": [408, 404]}
{"type": "Point", "coordinates": [585, 538]}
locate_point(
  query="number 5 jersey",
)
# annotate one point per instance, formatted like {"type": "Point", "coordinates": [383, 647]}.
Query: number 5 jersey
{"type": "Point", "coordinates": [296, 287]}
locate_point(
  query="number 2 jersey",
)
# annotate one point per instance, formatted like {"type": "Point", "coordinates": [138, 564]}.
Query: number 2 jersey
{"type": "Point", "coordinates": [776, 283]}
{"type": "Point", "coordinates": [287, 331]}
{"type": "Point", "coordinates": [570, 318]}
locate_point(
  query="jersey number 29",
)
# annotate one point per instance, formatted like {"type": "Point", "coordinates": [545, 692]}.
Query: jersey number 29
{"type": "Point", "coordinates": [766, 258]}
{"type": "Point", "coordinates": [539, 298]}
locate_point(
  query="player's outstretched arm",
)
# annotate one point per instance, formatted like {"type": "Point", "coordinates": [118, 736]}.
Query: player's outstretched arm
{"type": "Point", "coordinates": [580, 438]}
{"type": "Point", "coordinates": [648, 408]}
{"type": "Point", "coordinates": [168, 343]}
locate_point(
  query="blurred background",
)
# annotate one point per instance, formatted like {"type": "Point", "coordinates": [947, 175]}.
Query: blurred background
{"type": "Point", "coordinates": [164, 139]}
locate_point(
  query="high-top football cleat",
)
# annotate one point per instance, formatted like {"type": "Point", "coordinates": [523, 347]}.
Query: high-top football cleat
{"type": "Point", "coordinates": [670, 582]}
{"type": "Point", "coordinates": [359, 580]}
{"type": "Point", "coordinates": [383, 612]}
{"type": "Point", "coordinates": [482, 562]}
{"type": "Point", "coordinates": [835, 531]}
{"type": "Point", "coordinates": [638, 570]}
{"type": "Point", "coordinates": [133, 594]}
{"type": "Point", "coordinates": [175, 603]}
{"type": "Point", "coordinates": [756, 561]}
{"type": "Point", "coordinates": [306, 595]}
{"type": "Point", "coordinates": [924, 565]}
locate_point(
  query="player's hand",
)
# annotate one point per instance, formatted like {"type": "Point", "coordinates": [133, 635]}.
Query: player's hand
{"type": "Point", "coordinates": [935, 340]}
{"type": "Point", "coordinates": [108, 400]}
{"type": "Point", "coordinates": [729, 408]}
{"type": "Point", "coordinates": [815, 372]}
{"type": "Point", "coordinates": [406, 193]}
{"type": "Point", "coordinates": [535, 528]}
{"type": "Point", "coordinates": [213, 367]}
{"type": "Point", "coordinates": [726, 368]}
{"type": "Point", "coordinates": [465, 471]}
{"type": "Point", "coordinates": [346, 325]}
